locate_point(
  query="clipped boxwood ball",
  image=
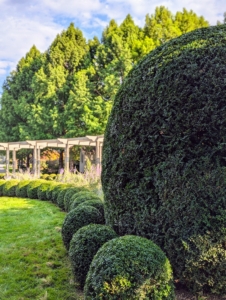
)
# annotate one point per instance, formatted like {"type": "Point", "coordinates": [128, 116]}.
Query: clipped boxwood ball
{"type": "Point", "coordinates": [129, 267]}
{"type": "Point", "coordinates": [82, 197]}
{"type": "Point", "coordinates": [60, 197]}
{"type": "Point", "coordinates": [97, 203]}
{"type": "Point", "coordinates": [84, 245]}
{"type": "Point", "coordinates": [21, 188]}
{"type": "Point", "coordinates": [77, 218]}
{"type": "Point", "coordinates": [68, 196]}
{"type": "Point", "coordinates": [2, 183]}
{"type": "Point", "coordinates": [42, 189]}
{"type": "Point", "coordinates": [164, 155]}
{"type": "Point", "coordinates": [32, 188]}
{"type": "Point", "coordinates": [51, 188]}
{"type": "Point", "coordinates": [9, 188]}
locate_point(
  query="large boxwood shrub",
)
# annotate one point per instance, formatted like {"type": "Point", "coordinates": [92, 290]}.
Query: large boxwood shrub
{"type": "Point", "coordinates": [60, 197]}
{"type": "Point", "coordinates": [9, 188]}
{"type": "Point", "coordinates": [78, 218]}
{"type": "Point", "coordinates": [164, 156]}
{"type": "Point", "coordinates": [51, 189]}
{"type": "Point", "coordinates": [130, 267]}
{"type": "Point", "coordinates": [84, 245]}
{"type": "Point", "coordinates": [21, 188]}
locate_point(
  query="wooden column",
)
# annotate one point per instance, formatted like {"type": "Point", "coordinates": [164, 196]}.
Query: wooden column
{"type": "Point", "coordinates": [82, 161]}
{"type": "Point", "coordinates": [66, 158]}
{"type": "Point", "coordinates": [14, 161]}
{"type": "Point", "coordinates": [7, 161]}
{"type": "Point", "coordinates": [34, 166]}
{"type": "Point", "coordinates": [97, 160]}
{"type": "Point", "coordinates": [38, 162]}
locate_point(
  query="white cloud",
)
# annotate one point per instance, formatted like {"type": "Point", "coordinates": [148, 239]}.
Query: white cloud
{"type": "Point", "coordinates": [27, 22]}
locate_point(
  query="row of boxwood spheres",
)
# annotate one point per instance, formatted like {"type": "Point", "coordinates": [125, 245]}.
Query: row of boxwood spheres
{"type": "Point", "coordinates": [136, 268]}
{"type": "Point", "coordinates": [164, 156]}
{"type": "Point", "coordinates": [131, 267]}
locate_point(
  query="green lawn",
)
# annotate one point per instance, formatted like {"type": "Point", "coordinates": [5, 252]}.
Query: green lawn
{"type": "Point", "coordinates": [33, 261]}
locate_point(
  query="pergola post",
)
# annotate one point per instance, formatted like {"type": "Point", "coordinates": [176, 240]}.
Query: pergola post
{"type": "Point", "coordinates": [14, 161]}
{"type": "Point", "coordinates": [34, 166]}
{"type": "Point", "coordinates": [38, 162]}
{"type": "Point", "coordinates": [82, 161]}
{"type": "Point", "coordinates": [97, 160]}
{"type": "Point", "coordinates": [66, 157]}
{"type": "Point", "coordinates": [7, 161]}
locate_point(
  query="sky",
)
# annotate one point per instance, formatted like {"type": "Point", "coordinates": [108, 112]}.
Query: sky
{"type": "Point", "coordinates": [24, 23]}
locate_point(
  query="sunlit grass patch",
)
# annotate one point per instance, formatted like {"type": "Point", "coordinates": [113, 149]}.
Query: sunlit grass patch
{"type": "Point", "coordinates": [33, 261]}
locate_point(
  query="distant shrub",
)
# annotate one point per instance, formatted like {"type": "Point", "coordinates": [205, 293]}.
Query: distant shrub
{"type": "Point", "coordinates": [2, 175]}
{"type": "Point", "coordinates": [32, 188]}
{"type": "Point", "coordinates": [84, 245]}
{"type": "Point", "coordinates": [51, 177]}
{"type": "Point", "coordinates": [60, 197]}
{"type": "Point", "coordinates": [9, 188]}
{"type": "Point", "coordinates": [69, 194]}
{"type": "Point", "coordinates": [97, 203]}
{"type": "Point", "coordinates": [42, 189]}
{"type": "Point", "coordinates": [2, 182]}
{"type": "Point", "coordinates": [78, 218]}
{"type": "Point", "coordinates": [44, 176]}
{"type": "Point", "coordinates": [21, 188]}
{"type": "Point", "coordinates": [51, 189]}
{"type": "Point", "coordinates": [130, 267]}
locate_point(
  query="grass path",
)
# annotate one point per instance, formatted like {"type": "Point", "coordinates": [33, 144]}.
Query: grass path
{"type": "Point", "coordinates": [33, 261]}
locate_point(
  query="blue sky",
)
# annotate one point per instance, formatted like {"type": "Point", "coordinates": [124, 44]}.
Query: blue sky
{"type": "Point", "coordinates": [24, 23]}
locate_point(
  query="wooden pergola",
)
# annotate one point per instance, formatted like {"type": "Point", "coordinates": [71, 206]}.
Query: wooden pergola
{"type": "Point", "coordinates": [66, 143]}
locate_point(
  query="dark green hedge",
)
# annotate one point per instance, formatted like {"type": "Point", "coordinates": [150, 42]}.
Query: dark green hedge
{"type": "Point", "coordinates": [51, 189]}
{"type": "Point", "coordinates": [21, 189]}
{"type": "Point", "coordinates": [164, 156]}
{"type": "Point", "coordinates": [60, 197]}
{"type": "Point", "coordinates": [9, 188]}
{"type": "Point", "coordinates": [129, 267]}
{"type": "Point", "coordinates": [84, 245]}
{"type": "Point", "coordinates": [78, 218]}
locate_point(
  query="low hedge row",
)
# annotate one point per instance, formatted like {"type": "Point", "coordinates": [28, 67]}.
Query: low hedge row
{"type": "Point", "coordinates": [109, 267]}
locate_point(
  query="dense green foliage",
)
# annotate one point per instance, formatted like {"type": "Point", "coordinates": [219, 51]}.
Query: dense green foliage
{"type": "Point", "coordinates": [42, 189]}
{"type": "Point", "coordinates": [97, 203]}
{"type": "Point", "coordinates": [69, 194]}
{"type": "Point", "coordinates": [9, 188]}
{"type": "Point", "coordinates": [51, 189]}
{"type": "Point", "coordinates": [55, 192]}
{"type": "Point", "coordinates": [76, 219]}
{"type": "Point", "coordinates": [32, 188]}
{"type": "Point", "coordinates": [164, 156]}
{"type": "Point", "coordinates": [84, 245]}
{"type": "Point", "coordinates": [69, 89]}
{"type": "Point", "coordinates": [21, 188]}
{"type": "Point", "coordinates": [2, 182]}
{"type": "Point", "coordinates": [60, 197]}
{"type": "Point", "coordinates": [82, 197]}
{"type": "Point", "coordinates": [129, 267]}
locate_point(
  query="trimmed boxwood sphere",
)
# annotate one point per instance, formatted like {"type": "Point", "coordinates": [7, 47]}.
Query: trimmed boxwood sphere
{"type": "Point", "coordinates": [97, 203]}
{"type": "Point", "coordinates": [164, 156]}
{"type": "Point", "coordinates": [9, 188]}
{"type": "Point", "coordinates": [77, 218]}
{"type": "Point", "coordinates": [60, 197]}
{"type": "Point", "coordinates": [51, 189]}
{"type": "Point", "coordinates": [32, 188]}
{"type": "Point", "coordinates": [21, 188]}
{"type": "Point", "coordinates": [42, 189]}
{"type": "Point", "coordinates": [129, 267]}
{"type": "Point", "coordinates": [71, 192]}
{"type": "Point", "coordinates": [2, 183]}
{"type": "Point", "coordinates": [84, 245]}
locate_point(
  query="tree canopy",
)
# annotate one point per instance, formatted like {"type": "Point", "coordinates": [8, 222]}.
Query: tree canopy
{"type": "Point", "coordinates": [69, 90]}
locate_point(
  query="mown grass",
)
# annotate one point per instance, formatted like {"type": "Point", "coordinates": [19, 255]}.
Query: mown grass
{"type": "Point", "coordinates": [33, 261]}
